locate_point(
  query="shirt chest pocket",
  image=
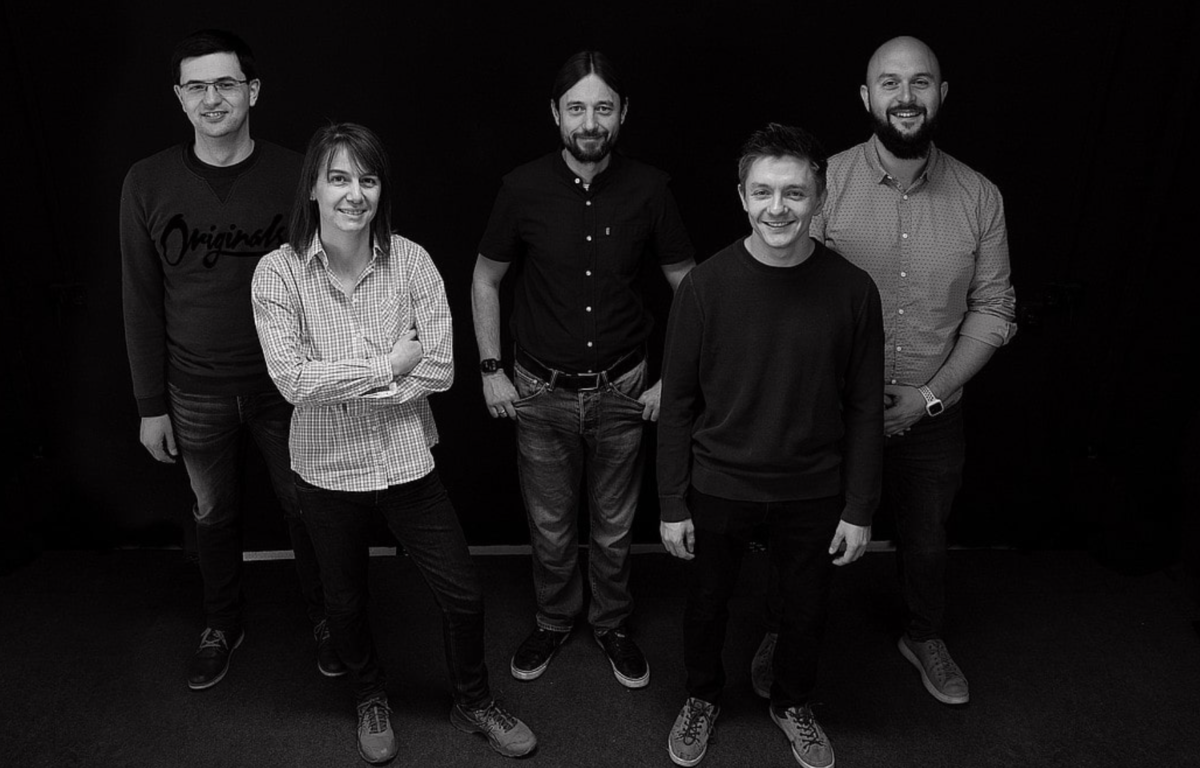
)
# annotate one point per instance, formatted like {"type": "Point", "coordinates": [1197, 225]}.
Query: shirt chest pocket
{"type": "Point", "coordinates": [623, 238]}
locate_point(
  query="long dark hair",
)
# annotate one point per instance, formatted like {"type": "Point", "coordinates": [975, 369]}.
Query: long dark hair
{"type": "Point", "coordinates": [367, 152]}
{"type": "Point", "coordinates": [580, 66]}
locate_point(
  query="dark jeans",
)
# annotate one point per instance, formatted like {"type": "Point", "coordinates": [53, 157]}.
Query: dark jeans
{"type": "Point", "coordinates": [922, 472]}
{"type": "Point", "coordinates": [563, 437]}
{"type": "Point", "coordinates": [423, 520]}
{"type": "Point", "coordinates": [208, 431]}
{"type": "Point", "coordinates": [800, 534]}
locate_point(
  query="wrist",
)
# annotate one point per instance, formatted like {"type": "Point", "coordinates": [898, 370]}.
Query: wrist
{"type": "Point", "coordinates": [933, 405]}
{"type": "Point", "coordinates": [490, 366]}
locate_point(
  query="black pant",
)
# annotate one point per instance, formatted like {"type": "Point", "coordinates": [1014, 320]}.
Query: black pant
{"type": "Point", "coordinates": [421, 517]}
{"type": "Point", "coordinates": [800, 534]}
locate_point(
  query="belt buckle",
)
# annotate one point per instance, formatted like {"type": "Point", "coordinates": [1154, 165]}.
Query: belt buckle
{"type": "Point", "coordinates": [598, 382]}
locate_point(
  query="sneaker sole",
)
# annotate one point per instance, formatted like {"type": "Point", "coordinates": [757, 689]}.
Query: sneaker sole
{"type": "Point", "coordinates": [929, 686]}
{"type": "Point", "coordinates": [682, 760]}
{"type": "Point", "coordinates": [536, 672]}
{"type": "Point", "coordinates": [795, 754]}
{"type": "Point", "coordinates": [628, 682]}
{"type": "Point", "coordinates": [466, 726]}
{"type": "Point", "coordinates": [327, 673]}
{"type": "Point", "coordinates": [221, 676]}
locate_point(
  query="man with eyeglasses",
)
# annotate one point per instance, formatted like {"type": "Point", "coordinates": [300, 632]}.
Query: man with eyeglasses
{"type": "Point", "coordinates": [195, 220]}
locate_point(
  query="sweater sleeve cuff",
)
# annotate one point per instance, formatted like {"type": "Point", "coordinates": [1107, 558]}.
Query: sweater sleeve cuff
{"type": "Point", "coordinates": [152, 406]}
{"type": "Point", "coordinates": [673, 509]}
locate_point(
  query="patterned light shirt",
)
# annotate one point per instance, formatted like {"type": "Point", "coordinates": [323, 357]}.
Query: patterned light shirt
{"type": "Point", "coordinates": [938, 253]}
{"type": "Point", "coordinates": [355, 427]}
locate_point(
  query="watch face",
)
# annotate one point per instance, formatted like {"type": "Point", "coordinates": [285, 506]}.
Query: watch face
{"type": "Point", "coordinates": [935, 408]}
{"type": "Point", "coordinates": [489, 366]}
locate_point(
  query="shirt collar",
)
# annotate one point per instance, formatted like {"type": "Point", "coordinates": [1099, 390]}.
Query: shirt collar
{"type": "Point", "coordinates": [314, 248]}
{"type": "Point", "coordinates": [564, 171]}
{"type": "Point", "coordinates": [871, 154]}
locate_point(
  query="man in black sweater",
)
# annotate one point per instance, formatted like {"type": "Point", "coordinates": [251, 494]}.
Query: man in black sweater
{"type": "Point", "coordinates": [195, 220]}
{"type": "Point", "coordinates": [772, 411]}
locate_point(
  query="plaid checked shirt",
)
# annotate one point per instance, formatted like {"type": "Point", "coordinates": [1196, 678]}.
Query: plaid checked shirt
{"type": "Point", "coordinates": [355, 428]}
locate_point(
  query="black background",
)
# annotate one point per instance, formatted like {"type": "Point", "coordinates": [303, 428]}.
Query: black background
{"type": "Point", "coordinates": [1083, 114]}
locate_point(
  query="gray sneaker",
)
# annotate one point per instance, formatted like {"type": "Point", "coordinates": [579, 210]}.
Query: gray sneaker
{"type": "Point", "coordinates": [504, 731]}
{"type": "Point", "coordinates": [941, 676]}
{"type": "Point", "coordinates": [376, 739]}
{"type": "Point", "coordinates": [810, 745]}
{"type": "Point", "coordinates": [693, 729]}
{"type": "Point", "coordinates": [762, 668]}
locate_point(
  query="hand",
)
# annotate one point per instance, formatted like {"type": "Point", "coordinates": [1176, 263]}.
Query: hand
{"type": "Point", "coordinates": [499, 393]}
{"type": "Point", "coordinates": [855, 539]}
{"type": "Point", "coordinates": [157, 434]}
{"type": "Point", "coordinates": [650, 399]}
{"type": "Point", "coordinates": [406, 353]}
{"type": "Point", "coordinates": [905, 408]}
{"type": "Point", "coordinates": [679, 538]}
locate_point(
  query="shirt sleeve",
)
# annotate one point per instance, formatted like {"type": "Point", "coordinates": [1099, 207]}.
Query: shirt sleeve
{"type": "Point", "coordinates": [502, 238]}
{"type": "Point", "coordinates": [681, 402]}
{"type": "Point", "coordinates": [862, 413]}
{"type": "Point", "coordinates": [991, 300]}
{"type": "Point", "coordinates": [431, 314]}
{"type": "Point", "coordinates": [279, 318]}
{"type": "Point", "coordinates": [142, 301]}
{"type": "Point", "coordinates": [671, 242]}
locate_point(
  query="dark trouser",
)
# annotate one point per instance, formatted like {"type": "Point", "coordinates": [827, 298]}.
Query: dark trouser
{"type": "Point", "coordinates": [922, 472]}
{"type": "Point", "coordinates": [422, 519]}
{"type": "Point", "coordinates": [208, 431]}
{"type": "Point", "coordinates": [800, 535]}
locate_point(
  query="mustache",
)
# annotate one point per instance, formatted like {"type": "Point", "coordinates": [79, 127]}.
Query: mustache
{"type": "Point", "coordinates": [598, 133]}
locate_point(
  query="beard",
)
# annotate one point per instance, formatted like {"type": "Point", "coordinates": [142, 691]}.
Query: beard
{"type": "Point", "coordinates": [600, 150]}
{"type": "Point", "coordinates": [912, 146]}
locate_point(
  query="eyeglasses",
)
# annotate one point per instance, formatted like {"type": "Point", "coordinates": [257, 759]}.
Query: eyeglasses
{"type": "Point", "coordinates": [225, 86]}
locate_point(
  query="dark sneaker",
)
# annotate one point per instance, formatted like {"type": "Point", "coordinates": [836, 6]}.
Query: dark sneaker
{"type": "Point", "coordinates": [628, 663]}
{"type": "Point", "coordinates": [211, 661]}
{"type": "Point", "coordinates": [762, 668]}
{"type": "Point", "coordinates": [504, 731]}
{"type": "Point", "coordinates": [939, 673]}
{"type": "Point", "coordinates": [327, 659]}
{"type": "Point", "coordinates": [810, 745]}
{"type": "Point", "coordinates": [693, 729]}
{"type": "Point", "coordinates": [376, 739]}
{"type": "Point", "coordinates": [535, 652]}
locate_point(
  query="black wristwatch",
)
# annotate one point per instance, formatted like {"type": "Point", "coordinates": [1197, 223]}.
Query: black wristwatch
{"type": "Point", "coordinates": [933, 406]}
{"type": "Point", "coordinates": [491, 365]}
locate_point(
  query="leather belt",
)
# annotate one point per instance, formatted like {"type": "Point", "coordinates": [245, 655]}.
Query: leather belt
{"type": "Point", "coordinates": [580, 382]}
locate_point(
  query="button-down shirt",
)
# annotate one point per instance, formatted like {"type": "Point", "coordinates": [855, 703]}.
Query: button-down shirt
{"type": "Point", "coordinates": [578, 305]}
{"type": "Point", "coordinates": [355, 427]}
{"type": "Point", "coordinates": [938, 252]}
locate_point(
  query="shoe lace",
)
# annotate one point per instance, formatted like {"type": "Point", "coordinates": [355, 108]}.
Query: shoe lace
{"type": "Point", "coordinates": [494, 717]}
{"type": "Point", "coordinates": [620, 646]}
{"type": "Point", "coordinates": [943, 666]}
{"type": "Point", "coordinates": [373, 716]}
{"type": "Point", "coordinates": [321, 631]}
{"type": "Point", "coordinates": [806, 726]}
{"type": "Point", "coordinates": [697, 720]}
{"type": "Point", "coordinates": [213, 638]}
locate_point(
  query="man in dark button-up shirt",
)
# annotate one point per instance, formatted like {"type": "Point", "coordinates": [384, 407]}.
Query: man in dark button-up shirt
{"type": "Point", "coordinates": [582, 220]}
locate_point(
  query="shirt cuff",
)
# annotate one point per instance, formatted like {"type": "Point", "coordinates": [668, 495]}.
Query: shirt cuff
{"type": "Point", "coordinates": [987, 329]}
{"type": "Point", "coordinates": [152, 406]}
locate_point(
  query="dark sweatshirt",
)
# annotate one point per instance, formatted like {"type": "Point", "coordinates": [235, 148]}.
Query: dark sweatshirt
{"type": "Point", "coordinates": [191, 236]}
{"type": "Point", "coordinates": [773, 384]}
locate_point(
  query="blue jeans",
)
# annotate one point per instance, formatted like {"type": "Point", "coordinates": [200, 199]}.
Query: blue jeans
{"type": "Point", "coordinates": [922, 472]}
{"type": "Point", "coordinates": [800, 534]}
{"type": "Point", "coordinates": [563, 437]}
{"type": "Point", "coordinates": [208, 431]}
{"type": "Point", "coordinates": [422, 519]}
